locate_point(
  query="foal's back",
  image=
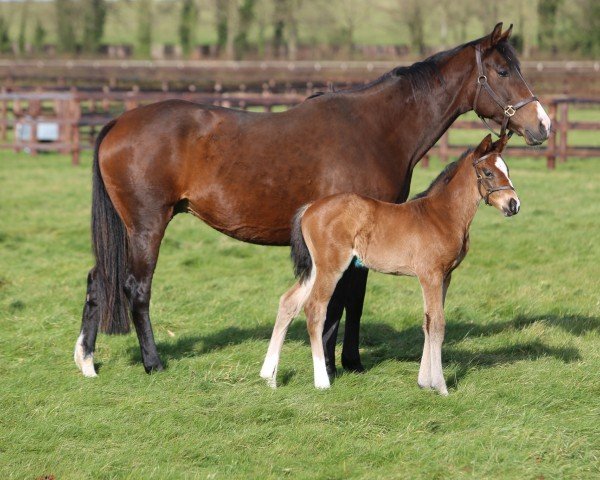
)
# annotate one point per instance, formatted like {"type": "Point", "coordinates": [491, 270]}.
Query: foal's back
{"type": "Point", "coordinates": [386, 237]}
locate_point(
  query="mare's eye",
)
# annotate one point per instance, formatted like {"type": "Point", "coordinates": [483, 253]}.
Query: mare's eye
{"type": "Point", "coordinates": [503, 73]}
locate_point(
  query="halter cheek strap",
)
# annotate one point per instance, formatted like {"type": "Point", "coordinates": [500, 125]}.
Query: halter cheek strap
{"type": "Point", "coordinates": [481, 182]}
{"type": "Point", "coordinates": [508, 109]}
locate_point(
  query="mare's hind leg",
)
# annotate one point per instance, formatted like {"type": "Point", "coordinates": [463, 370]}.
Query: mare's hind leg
{"type": "Point", "coordinates": [290, 304]}
{"type": "Point", "coordinates": [144, 246]}
{"type": "Point", "coordinates": [84, 348]}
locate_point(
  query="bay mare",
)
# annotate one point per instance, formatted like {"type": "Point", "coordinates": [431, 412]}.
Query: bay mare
{"type": "Point", "coordinates": [247, 173]}
{"type": "Point", "coordinates": [427, 237]}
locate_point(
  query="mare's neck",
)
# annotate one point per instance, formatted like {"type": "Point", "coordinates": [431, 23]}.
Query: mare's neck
{"type": "Point", "coordinates": [413, 119]}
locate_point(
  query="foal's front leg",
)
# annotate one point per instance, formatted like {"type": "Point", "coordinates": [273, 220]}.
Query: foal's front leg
{"type": "Point", "coordinates": [430, 371]}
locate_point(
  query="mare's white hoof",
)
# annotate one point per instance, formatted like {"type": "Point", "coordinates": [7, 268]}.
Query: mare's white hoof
{"type": "Point", "coordinates": [85, 363]}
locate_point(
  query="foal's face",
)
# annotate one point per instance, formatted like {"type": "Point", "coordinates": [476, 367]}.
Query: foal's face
{"type": "Point", "coordinates": [493, 174]}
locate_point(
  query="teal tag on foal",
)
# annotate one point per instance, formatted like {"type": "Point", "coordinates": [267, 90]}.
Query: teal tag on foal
{"type": "Point", "coordinates": [358, 263]}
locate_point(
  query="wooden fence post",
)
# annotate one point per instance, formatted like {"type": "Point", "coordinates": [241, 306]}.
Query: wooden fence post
{"type": "Point", "coordinates": [74, 117]}
{"type": "Point", "coordinates": [551, 148]}
{"type": "Point", "coordinates": [563, 128]}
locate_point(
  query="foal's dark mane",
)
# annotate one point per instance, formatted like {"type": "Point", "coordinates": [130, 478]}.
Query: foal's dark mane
{"type": "Point", "coordinates": [444, 177]}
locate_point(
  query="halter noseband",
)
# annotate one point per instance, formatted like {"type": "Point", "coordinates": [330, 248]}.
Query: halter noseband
{"type": "Point", "coordinates": [508, 109]}
{"type": "Point", "coordinates": [481, 181]}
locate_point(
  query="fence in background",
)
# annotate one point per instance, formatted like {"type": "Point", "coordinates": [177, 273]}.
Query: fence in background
{"type": "Point", "coordinates": [67, 122]}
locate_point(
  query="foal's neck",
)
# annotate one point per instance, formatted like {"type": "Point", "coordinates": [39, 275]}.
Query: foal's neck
{"type": "Point", "coordinates": [459, 199]}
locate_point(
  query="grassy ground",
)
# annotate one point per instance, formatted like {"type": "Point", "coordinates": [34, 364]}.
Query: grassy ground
{"type": "Point", "coordinates": [521, 358]}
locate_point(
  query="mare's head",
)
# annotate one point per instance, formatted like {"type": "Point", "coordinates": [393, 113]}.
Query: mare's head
{"type": "Point", "coordinates": [501, 93]}
{"type": "Point", "coordinates": [493, 182]}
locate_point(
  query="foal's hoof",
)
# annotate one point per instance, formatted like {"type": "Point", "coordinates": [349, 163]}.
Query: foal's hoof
{"type": "Point", "coordinates": [352, 365]}
{"type": "Point", "coordinates": [154, 368]}
{"type": "Point", "coordinates": [331, 370]}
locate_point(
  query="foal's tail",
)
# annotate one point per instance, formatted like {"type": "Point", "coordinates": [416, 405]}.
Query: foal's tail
{"type": "Point", "coordinates": [303, 263]}
{"type": "Point", "coordinates": [111, 249]}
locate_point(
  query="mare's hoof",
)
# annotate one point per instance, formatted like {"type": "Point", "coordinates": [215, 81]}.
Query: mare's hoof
{"type": "Point", "coordinates": [352, 365]}
{"type": "Point", "coordinates": [155, 367]}
{"type": "Point", "coordinates": [331, 370]}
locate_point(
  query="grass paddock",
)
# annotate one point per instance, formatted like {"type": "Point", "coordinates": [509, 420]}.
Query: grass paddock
{"type": "Point", "coordinates": [521, 356]}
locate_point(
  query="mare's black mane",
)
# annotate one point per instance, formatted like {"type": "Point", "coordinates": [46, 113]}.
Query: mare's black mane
{"type": "Point", "coordinates": [421, 75]}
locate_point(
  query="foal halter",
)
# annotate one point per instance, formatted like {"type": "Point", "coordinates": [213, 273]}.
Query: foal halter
{"type": "Point", "coordinates": [483, 182]}
{"type": "Point", "coordinates": [508, 109]}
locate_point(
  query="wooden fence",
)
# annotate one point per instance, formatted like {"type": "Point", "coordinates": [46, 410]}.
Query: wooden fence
{"type": "Point", "coordinates": [79, 115]}
{"type": "Point", "coordinates": [573, 78]}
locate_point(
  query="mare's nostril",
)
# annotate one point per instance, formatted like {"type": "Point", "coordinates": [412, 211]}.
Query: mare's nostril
{"type": "Point", "coordinates": [513, 206]}
{"type": "Point", "coordinates": [543, 130]}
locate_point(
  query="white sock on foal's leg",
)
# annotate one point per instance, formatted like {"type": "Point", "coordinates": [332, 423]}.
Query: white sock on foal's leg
{"type": "Point", "coordinates": [320, 370]}
{"type": "Point", "coordinates": [84, 362]}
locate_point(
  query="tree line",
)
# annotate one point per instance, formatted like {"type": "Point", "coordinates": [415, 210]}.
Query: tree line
{"type": "Point", "coordinates": [239, 26]}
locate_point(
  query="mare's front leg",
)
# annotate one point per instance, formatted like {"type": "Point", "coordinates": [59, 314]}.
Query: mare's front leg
{"type": "Point", "coordinates": [335, 310]}
{"type": "Point", "coordinates": [355, 298]}
{"type": "Point", "coordinates": [430, 371]}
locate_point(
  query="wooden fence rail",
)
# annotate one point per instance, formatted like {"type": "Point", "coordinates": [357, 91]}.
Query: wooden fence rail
{"type": "Point", "coordinates": [79, 115]}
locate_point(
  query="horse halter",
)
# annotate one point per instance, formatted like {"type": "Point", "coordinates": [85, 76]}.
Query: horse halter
{"type": "Point", "coordinates": [485, 183]}
{"type": "Point", "coordinates": [508, 109]}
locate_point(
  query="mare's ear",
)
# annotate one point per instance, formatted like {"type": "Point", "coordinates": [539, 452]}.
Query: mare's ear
{"type": "Point", "coordinates": [496, 34]}
{"type": "Point", "coordinates": [506, 35]}
{"type": "Point", "coordinates": [484, 147]}
{"type": "Point", "coordinates": [499, 144]}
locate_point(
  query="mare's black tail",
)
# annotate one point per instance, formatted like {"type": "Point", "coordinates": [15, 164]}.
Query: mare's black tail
{"type": "Point", "coordinates": [111, 249]}
{"type": "Point", "coordinates": [303, 263]}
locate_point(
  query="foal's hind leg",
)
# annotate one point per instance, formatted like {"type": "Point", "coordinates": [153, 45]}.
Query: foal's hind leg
{"type": "Point", "coordinates": [84, 348]}
{"type": "Point", "coordinates": [316, 309]}
{"type": "Point", "coordinates": [144, 246]}
{"type": "Point", "coordinates": [290, 304]}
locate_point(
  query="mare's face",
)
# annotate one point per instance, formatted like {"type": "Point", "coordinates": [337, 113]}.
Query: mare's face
{"type": "Point", "coordinates": [504, 77]}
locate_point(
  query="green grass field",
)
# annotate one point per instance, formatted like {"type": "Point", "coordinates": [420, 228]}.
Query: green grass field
{"type": "Point", "coordinates": [521, 357]}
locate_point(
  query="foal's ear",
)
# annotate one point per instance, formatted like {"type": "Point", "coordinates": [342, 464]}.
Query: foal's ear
{"type": "Point", "coordinates": [484, 147]}
{"type": "Point", "coordinates": [499, 144]}
{"type": "Point", "coordinates": [496, 34]}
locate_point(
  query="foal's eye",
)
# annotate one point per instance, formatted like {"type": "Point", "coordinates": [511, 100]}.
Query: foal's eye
{"type": "Point", "coordinates": [488, 173]}
{"type": "Point", "coordinates": [503, 73]}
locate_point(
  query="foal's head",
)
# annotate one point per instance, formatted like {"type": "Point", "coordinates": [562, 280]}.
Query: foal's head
{"type": "Point", "coordinates": [493, 182]}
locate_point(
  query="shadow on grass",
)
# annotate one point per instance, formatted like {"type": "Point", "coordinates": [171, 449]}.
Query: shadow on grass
{"type": "Point", "coordinates": [383, 342]}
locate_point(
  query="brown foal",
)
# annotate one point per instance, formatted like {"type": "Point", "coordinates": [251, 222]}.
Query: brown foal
{"type": "Point", "coordinates": [426, 237]}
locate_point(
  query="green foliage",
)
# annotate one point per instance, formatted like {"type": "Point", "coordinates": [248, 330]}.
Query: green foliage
{"type": "Point", "coordinates": [5, 46]}
{"type": "Point", "coordinates": [66, 19]}
{"type": "Point", "coordinates": [39, 37]}
{"type": "Point", "coordinates": [144, 27]}
{"type": "Point", "coordinates": [188, 23]}
{"type": "Point", "coordinates": [94, 18]}
{"type": "Point", "coordinates": [521, 355]}
{"type": "Point", "coordinates": [23, 28]}
{"type": "Point", "coordinates": [547, 14]}
{"type": "Point", "coordinates": [221, 19]}
{"type": "Point", "coordinates": [246, 16]}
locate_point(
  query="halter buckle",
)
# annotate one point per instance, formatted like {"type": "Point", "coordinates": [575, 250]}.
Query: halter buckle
{"type": "Point", "coordinates": [481, 79]}
{"type": "Point", "coordinates": [509, 111]}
